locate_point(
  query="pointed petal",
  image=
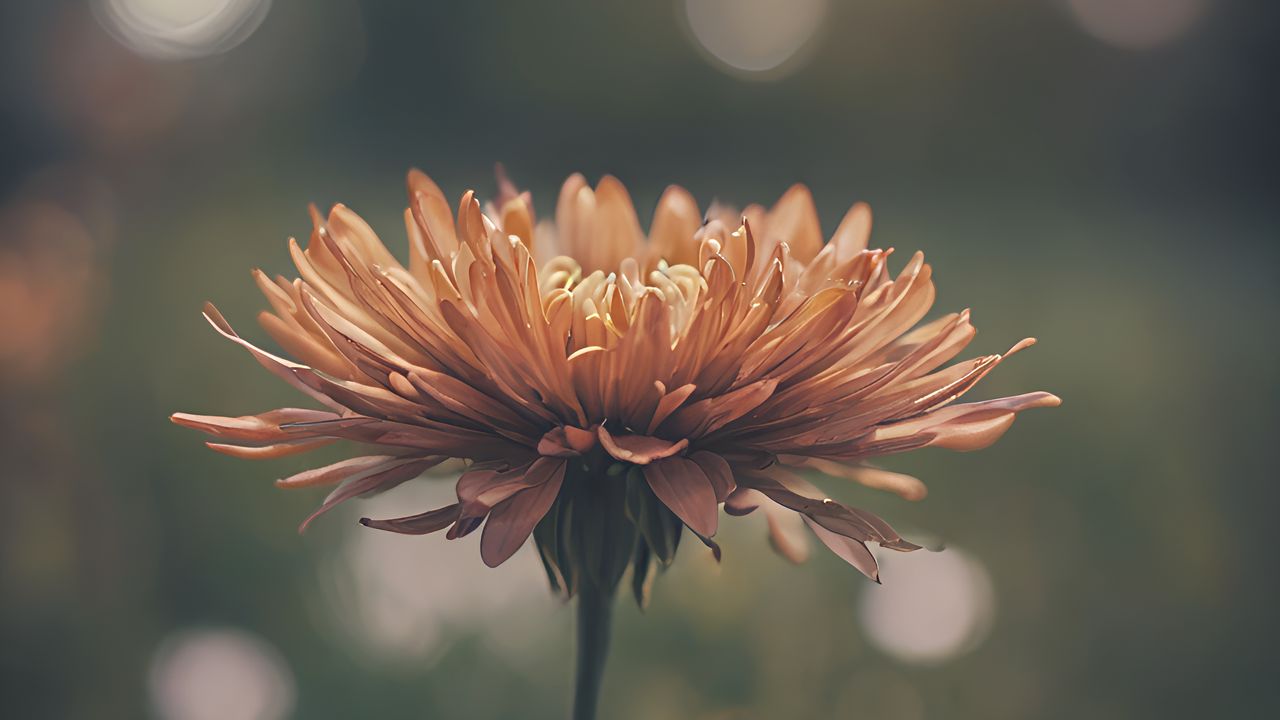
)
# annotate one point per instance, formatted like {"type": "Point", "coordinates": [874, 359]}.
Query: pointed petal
{"type": "Point", "coordinates": [384, 477]}
{"type": "Point", "coordinates": [717, 471]}
{"type": "Point", "coordinates": [512, 521]}
{"type": "Point", "coordinates": [682, 486]}
{"type": "Point", "coordinates": [267, 452]}
{"type": "Point", "coordinates": [852, 551]}
{"type": "Point", "coordinates": [794, 221]}
{"type": "Point", "coordinates": [420, 524]}
{"type": "Point", "coordinates": [904, 486]}
{"type": "Point", "coordinates": [970, 426]}
{"type": "Point", "coordinates": [853, 232]}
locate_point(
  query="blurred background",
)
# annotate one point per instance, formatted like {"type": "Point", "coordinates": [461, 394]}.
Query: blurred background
{"type": "Point", "coordinates": [1097, 173]}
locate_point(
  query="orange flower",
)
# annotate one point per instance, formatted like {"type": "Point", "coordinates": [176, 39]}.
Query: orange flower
{"type": "Point", "coordinates": [607, 389]}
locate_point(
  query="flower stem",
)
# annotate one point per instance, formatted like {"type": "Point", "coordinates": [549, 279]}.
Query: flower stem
{"type": "Point", "coordinates": [595, 609]}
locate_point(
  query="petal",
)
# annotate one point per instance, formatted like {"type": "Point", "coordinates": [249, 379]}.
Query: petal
{"type": "Point", "coordinates": [904, 486]}
{"type": "Point", "coordinates": [794, 221]}
{"type": "Point", "coordinates": [337, 472]}
{"type": "Point", "coordinates": [717, 471]}
{"type": "Point", "coordinates": [482, 488]}
{"type": "Point", "coordinates": [970, 426]}
{"type": "Point", "coordinates": [270, 426]}
{"type": "Point", "coordinates": [675, 221]}
{"type": "Point", "coordinates": [279, 367]}
{"type": "Point", "coordinates": [267, 452]}
{"type": "Point", "coordinates": [839, 518]}
{"type": "Point", "coordinates": [384, 477]}
{"type": "Point", "coordinates": [743, 501]}
{"type": "Point", "coordinates": [566, 441]}
{"type": "Point", "coordinates": [512, 520]}
{"type": "Point", "coordinates": [420, 524]}
{"type": "Point", "coordinates": [851, 236]}
{"type": "Point", "coordinates": [708, 415]}
{"type": "Point", "coordinates": [852, 551]}
{"type": "Point", "coordinates": [682, 486]}
{"type": "Point", "coordinates": [639, 449]}
{"type": "Point", "coordinates": [786, 532]}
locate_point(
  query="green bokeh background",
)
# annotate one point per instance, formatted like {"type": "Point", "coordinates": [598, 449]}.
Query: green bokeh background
{"type": "Point", "coordinates": [1119, 205]}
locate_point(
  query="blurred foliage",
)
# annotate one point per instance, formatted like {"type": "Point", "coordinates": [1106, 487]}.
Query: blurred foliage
{"type": "Point", "coordinates": [1119, 205]}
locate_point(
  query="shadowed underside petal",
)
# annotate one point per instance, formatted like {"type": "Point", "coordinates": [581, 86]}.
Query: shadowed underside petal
{"type": "Point", "coordinates": [852, 551]}
{"type": "Point", "coordinates": [420, 524]}
{"type": "Point", "coordinates": [511, 521]}
{"type": "Point", "coordinates": [786, 490]}
{"type": "Point", "coordinates": [683, 487]}
{"type": "Point", "coordinates": [376, 479]}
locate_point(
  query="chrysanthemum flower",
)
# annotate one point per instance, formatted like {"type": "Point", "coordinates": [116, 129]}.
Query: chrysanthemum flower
{"type": "Point", "coordinates": [607, 390]}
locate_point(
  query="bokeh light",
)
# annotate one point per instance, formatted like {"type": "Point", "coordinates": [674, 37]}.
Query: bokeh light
{"type": "Point", "coordinates": [178, 29]}
{"type": "Point", "coordinates": [762, 39]}
{"type": "Point", "coordinates": [57, 227]}
{"type": "Point", "coordinates": [1137, 24]}
{"type": "Point", "coordinates": [933, 606]}
{"type": "Point", "coordinates": [405, 598]}
{"type": "Point", "coordinates": [220, 674]}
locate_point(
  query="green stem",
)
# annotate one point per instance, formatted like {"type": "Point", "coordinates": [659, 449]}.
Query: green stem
{"type": "Point", "coordinates": [595, 608]}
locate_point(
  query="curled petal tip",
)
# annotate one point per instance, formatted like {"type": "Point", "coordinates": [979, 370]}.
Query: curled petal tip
{"type": "Point", "coordinates": [1021, 345]}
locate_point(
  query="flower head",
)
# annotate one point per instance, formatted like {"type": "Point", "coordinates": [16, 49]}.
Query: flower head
{"type": "Point", "coordinates": [607, 390]}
